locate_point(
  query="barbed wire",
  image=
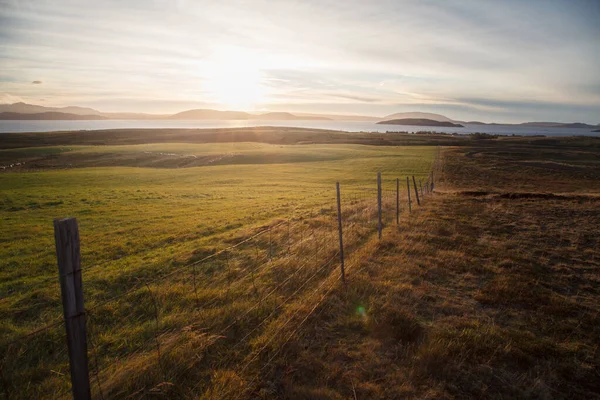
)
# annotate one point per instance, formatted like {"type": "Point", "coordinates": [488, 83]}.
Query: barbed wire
{"type": "Point", "coordinates": [298, 230]}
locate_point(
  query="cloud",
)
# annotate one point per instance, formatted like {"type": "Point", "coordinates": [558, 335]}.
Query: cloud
{"type": "Point", "coordinates": [37, 82]}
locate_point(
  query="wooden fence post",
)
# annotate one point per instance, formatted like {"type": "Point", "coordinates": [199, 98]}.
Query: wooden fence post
{"type": "Point", "coordinates": [379, 224]}
{"type": "Point", "coordinates": [66, 236]}
{"type": "Point", "coordinates": [270, 246]}
{"type": "Point", "coordinates": [339, 210]}
{"type": "Point", "coordinates": [431, 183]}
{"type": "Point", "coordinates": [421, 185]}
{"type": "Point", "coordinates": [397, 201]}
{"type": "Point", "coordinates": [416, 191]}
{"type": "Point", "coordinates": [408, 190]}
{"type": "Point", "coordinates": [288, 235]}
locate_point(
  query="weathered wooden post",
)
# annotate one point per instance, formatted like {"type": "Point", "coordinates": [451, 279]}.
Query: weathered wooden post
{"type": "Point", "coordinates": [408, 190]}
{"type": "Point", "coordinates": [339, 210]}
{"type": "Point", "coordinates": [270, 246]}
{"type": "Point", "coordinates": [421, 185]}
{"type": "Point", "coordinates": [379, 224]}
{"type": "Point", "coordinates": [288, 236]}
{"type": "Point", "coordinates": [397, 201]}
{"type": "Point", "coordinates": [66, 236]}
{"type": "Point", "coordinates": [431, 183]}
{"type": "Point", "coordinates": [416, 191]}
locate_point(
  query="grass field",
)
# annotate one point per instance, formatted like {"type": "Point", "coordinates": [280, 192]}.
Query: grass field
{"type": "Point", "coordinates": [144, 210]}
{"type": "Point", "coordinates": [488, 290]}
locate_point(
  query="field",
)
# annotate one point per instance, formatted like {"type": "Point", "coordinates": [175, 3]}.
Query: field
{"type": "Point", "coordinates": [489, 289]}
{"type": "Point", "coordinates": [144, 210]}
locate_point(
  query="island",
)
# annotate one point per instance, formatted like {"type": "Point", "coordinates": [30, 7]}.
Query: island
{"type": "Point", "coordinates": [420, 122]}
{"type": "Point", "coordinates": [597, 130]}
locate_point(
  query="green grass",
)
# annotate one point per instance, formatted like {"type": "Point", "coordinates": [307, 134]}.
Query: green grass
{"type": "Point", "coordinates": [138, 222]}
{"type": "Point", "coordinates": [131, 210]}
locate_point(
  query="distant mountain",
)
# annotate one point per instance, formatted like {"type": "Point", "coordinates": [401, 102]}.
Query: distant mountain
{"type": "Point", "coordinates": [340, 117]}
{"type": "Point", "coordinates": [285, 116]}
{"type": "Point", "coordinates": [126, 115]}
{"type": "Point", "coordinates": [575, 125]}
{"type": "Point", "coordinates": [55, 116]}
{"type": "Point", "coordinates": [207, 114]}
{"type": "Point", "coordinates": [418, 115]}
{"type": "Point", "coordinates": [557, 125]}
{"type": "Point", "coordinates": [540, 124]}
{"type": "Point", "coordinates": [26, 111]}
{"type": "Point", "coordinates": [200, 114]}
{"type": "Point", "coordinates": [24, 108]}
{"type": "Point", "coordinates": [420, 122]}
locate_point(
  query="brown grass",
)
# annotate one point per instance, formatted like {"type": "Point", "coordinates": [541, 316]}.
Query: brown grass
{"type": "Point", "coordinates": [475, 296]}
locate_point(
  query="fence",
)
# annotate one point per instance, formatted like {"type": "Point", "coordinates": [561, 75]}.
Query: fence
{"type": "Point", "coordinates": [232, 310]}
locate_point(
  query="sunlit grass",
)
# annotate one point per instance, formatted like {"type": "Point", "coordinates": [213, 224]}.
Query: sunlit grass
{"type": "Point", "coordinates": [136, 223]}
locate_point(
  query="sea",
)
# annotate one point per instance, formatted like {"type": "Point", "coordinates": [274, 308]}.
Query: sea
{"type": "Point", "coordinates": [348, 126]}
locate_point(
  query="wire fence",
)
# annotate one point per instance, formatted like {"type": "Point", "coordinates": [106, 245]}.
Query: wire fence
{"type": "Point", "coordinates": [232, 310]}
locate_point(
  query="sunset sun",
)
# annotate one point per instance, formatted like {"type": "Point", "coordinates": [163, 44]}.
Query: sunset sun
{"type": "Point", "coordinates": [233, 80]}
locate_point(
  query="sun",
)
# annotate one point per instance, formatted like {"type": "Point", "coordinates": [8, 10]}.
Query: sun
{"type": "Point", "coordinates": [233, 80]}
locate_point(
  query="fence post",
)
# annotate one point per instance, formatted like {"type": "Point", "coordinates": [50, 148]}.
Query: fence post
{"type": "Point", "coordinates": [379, 224]}
{"type": "Point", "coordinates": [432, 186]}
{"type": "Point", "coordinates": [421, 185]}
{"type": "Point", "coordinates": [66, 236]}
{"type": "Point", "coordinates": [270, 246]}
{"type": "Point", "coordinates": [408, 190]}
{"type": "Point", "coordinates": [339, 210]}
{"type": "Point", "coordinates": [416, 190]}
{"type": "Point", "coordinates": [288, 236]}
{"type": "Point", "coordinates": [397, 201]}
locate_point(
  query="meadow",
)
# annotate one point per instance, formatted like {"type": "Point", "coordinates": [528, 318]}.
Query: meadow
{"type": "Point", "coordinates": [144, 210]}
{"type": "Point", "coordinates": [490, 291]}
{"type": "Point", "coordinates": [211, 269]}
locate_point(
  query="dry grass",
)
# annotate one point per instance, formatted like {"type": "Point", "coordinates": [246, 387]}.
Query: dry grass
{"type": "Point", "coordinates": [489, 290]}
{"type": "Point", "coordinates": [485, 296]}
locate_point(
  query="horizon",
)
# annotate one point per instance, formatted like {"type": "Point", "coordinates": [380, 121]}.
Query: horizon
{"type": "Point", "coordinates": [258, 113]}
{"type": "Point", "coordinates": [508, 62]}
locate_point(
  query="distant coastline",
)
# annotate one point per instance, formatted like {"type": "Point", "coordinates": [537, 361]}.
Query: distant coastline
{"type": "Point", "coordinates": [12, 126]}
{"type": "Point", "coordinates": [420, 122]}
{"type": "Point", "coordinates": [23, 111]}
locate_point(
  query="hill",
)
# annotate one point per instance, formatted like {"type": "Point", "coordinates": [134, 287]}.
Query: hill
{"type": "Point", "coordinates": [286, 116]}
{"type": "Point", "coordinates": [24, 108]}
{"type": "Point", "coordinates": [420, 122]}
{"type": "Point", "coordinates": [557, 125]}
{"type": "Point", "coordinates": [418, 115]}
{"type": "Point", "coordinates": [210, 114]}
{"type": "Point", "coordinates": [55, 116]}
{"type": "Point", "coordinates": [341, 117]}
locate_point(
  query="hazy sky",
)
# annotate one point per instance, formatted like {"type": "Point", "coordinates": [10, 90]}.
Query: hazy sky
{"type": "Point", "coordinates": [509, 60]}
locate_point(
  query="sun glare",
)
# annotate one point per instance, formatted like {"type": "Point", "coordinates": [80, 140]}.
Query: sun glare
{"type": "Point", "coordinates": [233, 80]}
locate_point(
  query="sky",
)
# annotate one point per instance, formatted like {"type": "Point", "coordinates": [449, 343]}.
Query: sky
{"type": "Point", "coordinates": [502, 61]}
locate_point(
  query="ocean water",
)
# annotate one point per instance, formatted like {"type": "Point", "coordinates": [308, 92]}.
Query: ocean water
{"type": "Point", "coordinates": [349, 126]}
